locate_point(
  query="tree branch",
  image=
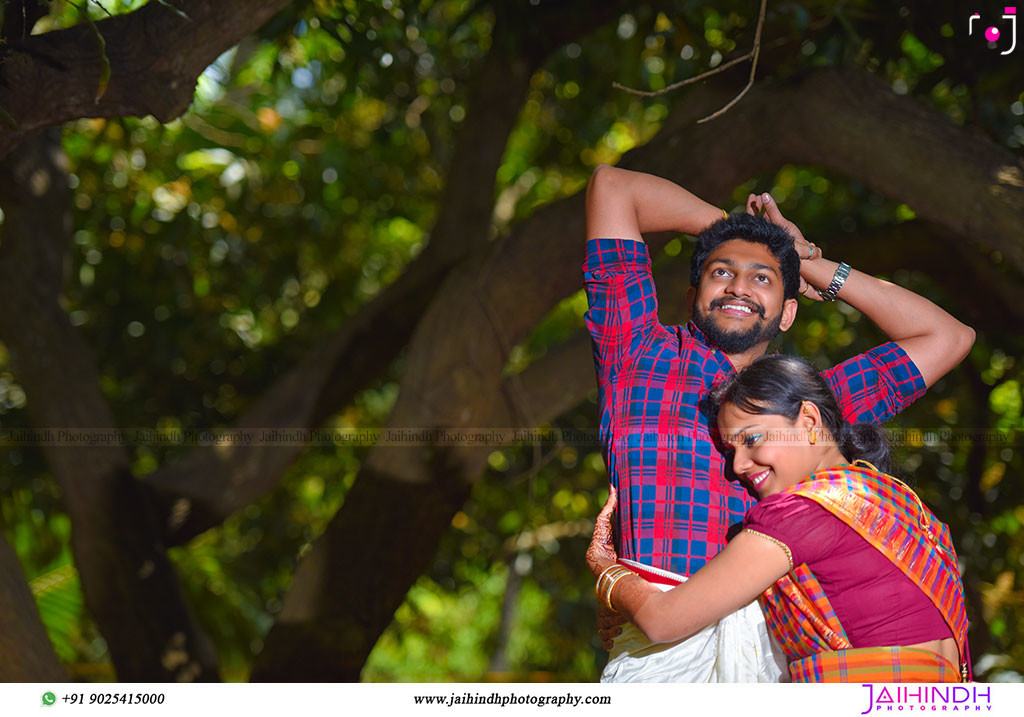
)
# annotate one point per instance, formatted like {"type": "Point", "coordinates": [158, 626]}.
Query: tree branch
{"type": "Point", "coordinates": [155, 58]}
{"type": "Point", "coordinates": [754, 55]}
{"type": "Point", "coordinates": [20, 16]}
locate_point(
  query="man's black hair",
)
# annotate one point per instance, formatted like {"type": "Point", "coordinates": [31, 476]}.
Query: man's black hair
{"type": "Point", "coordinates": [753, 229]}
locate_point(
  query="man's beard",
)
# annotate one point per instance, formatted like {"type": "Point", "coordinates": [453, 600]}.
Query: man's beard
{"type": "Point", "coordinates": [736, 342]}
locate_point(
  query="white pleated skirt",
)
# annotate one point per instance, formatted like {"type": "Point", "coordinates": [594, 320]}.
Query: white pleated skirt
{"type": "Point", "coordinates": [737, 648]}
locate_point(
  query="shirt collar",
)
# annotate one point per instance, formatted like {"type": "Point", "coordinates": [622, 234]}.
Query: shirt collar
{"type": "Point", "coordinates": [699, 335]}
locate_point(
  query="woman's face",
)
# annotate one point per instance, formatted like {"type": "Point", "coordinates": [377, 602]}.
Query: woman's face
{"type": "Point", "coordinates": [770, 452]}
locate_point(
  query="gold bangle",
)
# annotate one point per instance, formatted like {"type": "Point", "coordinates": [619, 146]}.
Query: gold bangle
{"type": "Point", "coordinates": [607, 582]}
{"type": "Point", "coordinates": [605, 590]}
{"type": "Point", "coordinates": [611, 587]}
{"type": "Point", "coordinates": [608, 592]}
{"type": "Point", "coordinates": [600, 584]}
{"type": "Point", "coordinates": [604, 574]}
{"type": "Point", "coordinates": [608, 574]}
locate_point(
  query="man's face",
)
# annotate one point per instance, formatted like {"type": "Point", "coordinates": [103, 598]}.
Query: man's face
{"type": "Point", "coordinates": [739, 302]}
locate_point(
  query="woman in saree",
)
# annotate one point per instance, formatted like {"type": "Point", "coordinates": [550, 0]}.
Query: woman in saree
{"type": "Point", "coordinates": [857, 579]}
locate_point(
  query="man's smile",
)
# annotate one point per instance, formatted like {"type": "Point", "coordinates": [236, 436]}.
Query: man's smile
{"type": "Point", "coordinates": [736, 307]}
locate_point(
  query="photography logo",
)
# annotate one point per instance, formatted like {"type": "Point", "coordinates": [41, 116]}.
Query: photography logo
{"type": "Point", "coordinates": [993, 33]}
{"type": "Point", "coordinates": [928, 698]}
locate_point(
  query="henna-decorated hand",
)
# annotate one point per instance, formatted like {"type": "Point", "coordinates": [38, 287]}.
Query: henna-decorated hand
{"type": "Point", "coordinates": [609, 626]}
{"type": "Point", "coordinates": [601, 553]}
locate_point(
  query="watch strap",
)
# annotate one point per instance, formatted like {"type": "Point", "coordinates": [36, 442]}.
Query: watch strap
{"type": "Point", "coordinates": [838, 279]}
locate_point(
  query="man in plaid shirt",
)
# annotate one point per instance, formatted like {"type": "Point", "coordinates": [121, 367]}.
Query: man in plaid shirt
{"type": "Point", "coordinates": [676, 504]}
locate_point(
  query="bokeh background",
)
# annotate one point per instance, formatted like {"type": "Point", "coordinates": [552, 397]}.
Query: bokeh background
{"type": "Point", "coordinates": [371, 216]}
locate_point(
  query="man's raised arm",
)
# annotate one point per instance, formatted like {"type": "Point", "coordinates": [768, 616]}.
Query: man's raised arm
{"type": "Point", "coordinates": [933, 339]}
{"type": "Point", "coordinates": [622, 204]}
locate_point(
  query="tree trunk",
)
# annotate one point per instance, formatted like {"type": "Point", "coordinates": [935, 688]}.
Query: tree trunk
{"type": "Point", "coordinates": [26, 654]}
{"type": "Point", "coordinates": [130, 586]}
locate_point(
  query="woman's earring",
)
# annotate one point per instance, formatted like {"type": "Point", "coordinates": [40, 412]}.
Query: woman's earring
{"type": "Point", "coordinates": [814, 436]}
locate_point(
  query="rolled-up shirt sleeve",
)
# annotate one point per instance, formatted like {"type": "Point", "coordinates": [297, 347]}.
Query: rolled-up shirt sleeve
{"type": "Point", "coordinates": [623, 304]}
{"type": "Point", "coordinates": [874, 386]}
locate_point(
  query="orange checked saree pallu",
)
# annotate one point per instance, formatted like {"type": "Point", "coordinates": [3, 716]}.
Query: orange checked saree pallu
{"type": "Point", "coordinates": [890, 516]}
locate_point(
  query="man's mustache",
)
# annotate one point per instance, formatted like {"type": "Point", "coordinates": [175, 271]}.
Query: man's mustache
{"type": "Point", "coordinates": [756, 308]}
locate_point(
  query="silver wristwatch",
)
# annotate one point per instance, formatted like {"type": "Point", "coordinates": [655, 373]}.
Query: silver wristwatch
{"type": "Point", "coordinates": [838, 279]}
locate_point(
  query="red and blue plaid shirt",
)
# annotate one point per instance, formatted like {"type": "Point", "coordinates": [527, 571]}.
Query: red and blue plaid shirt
{"type": "Point", "coordinates": [676, 505]}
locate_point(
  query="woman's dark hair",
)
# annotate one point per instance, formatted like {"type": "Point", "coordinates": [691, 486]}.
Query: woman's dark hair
{"type": "Point", "coordinates": [753, 229]}
{"type": "Point", "coordinates": [780, 384]}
